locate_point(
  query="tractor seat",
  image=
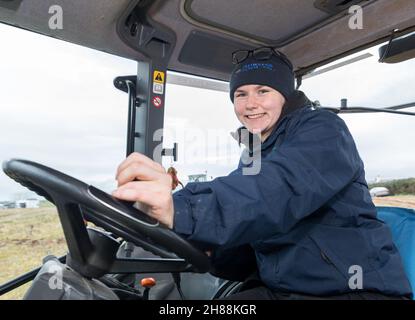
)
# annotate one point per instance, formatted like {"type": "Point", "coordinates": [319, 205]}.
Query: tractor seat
{"type": "Point", "coordinates": [402, 224]}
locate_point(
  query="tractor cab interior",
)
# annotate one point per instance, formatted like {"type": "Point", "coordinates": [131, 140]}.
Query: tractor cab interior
{"type": "Point", "coordinates": [173, 41]}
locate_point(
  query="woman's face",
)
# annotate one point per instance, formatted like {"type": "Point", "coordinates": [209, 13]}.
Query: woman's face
{"type": "Point", "coordinates": [258, 108]}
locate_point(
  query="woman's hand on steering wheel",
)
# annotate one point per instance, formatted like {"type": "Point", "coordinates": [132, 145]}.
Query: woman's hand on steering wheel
{"type": "Point", "coordinates": [146, 181]}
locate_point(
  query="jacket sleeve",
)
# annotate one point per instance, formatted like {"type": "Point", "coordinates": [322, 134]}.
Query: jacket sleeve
{"type": "Point", "coordinates": [317, 159]}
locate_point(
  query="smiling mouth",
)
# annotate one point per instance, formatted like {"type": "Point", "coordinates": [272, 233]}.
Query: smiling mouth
{"type": "Point", "coordinates": [255, 116]}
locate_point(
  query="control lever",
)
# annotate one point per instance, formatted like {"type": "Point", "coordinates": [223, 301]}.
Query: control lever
{"type": "Point", "coordinates": [147, 284]}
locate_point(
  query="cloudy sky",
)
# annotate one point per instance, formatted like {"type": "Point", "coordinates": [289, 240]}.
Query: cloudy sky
{"type": "Point", "coordinates": [58, 107]}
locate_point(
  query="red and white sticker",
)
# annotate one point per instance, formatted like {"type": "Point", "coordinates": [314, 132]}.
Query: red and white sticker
{"type": "Point", "coordinates": [157, 102]}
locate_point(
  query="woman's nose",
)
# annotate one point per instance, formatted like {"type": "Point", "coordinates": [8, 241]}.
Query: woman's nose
{"type": "Point", "coordinates": [251, 102]}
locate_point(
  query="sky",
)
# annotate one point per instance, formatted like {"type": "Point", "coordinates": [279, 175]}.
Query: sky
{"type": "Point", "coordinates": [58, 107]}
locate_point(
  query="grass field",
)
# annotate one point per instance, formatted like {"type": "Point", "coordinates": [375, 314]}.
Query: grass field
{"type": "Point", "coordinates": [406, 201]}
{"type": "Point", "coordinates": [28, 235]}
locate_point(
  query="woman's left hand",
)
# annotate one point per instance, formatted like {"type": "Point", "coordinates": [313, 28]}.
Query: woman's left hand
{"type": "Point", "coordinates": [144, 180]}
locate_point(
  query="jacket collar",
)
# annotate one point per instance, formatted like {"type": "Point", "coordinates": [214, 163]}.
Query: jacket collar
{"type": "Point", "coordinates": [295, 101]}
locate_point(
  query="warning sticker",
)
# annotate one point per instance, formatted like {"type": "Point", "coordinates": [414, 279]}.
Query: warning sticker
{"type": "Point", "coordinates": [158, 76]}
{"type": "Point", "coordinates": [158, 88]}
{"type": "Point", "coordinates": [157, 101]}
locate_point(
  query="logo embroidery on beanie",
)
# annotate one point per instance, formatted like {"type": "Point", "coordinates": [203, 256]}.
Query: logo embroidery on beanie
{"type": "Point", "coordinates": [256, 66]}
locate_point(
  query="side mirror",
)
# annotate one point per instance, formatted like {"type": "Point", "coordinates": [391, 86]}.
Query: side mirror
{"type": "Point", "coordinates": [398, 50]}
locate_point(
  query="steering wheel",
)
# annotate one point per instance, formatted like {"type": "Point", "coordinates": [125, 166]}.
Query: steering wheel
{"type": "Point", "coordinates": [92, 252]}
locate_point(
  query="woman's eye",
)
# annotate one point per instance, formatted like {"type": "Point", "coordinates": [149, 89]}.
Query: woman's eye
{"type": "Point", "coordinates": [238, 95]}
{"type": "Point", "coordinates": [262, 91]}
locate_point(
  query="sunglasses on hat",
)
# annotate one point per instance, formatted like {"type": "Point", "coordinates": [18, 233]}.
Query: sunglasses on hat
{"type": "Point", "coordinates": [262, 53]}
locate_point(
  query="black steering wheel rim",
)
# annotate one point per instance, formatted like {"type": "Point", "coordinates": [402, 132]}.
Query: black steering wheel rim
{"type": "Point", "coordinates": [101, 208]}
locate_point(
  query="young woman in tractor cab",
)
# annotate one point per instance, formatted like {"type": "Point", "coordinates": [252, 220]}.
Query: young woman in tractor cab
{"type": "Point", "coordinates": [303, 225]}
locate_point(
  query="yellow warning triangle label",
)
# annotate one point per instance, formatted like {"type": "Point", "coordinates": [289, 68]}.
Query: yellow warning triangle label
{"type": "Point", "coordinates": [158, 76]}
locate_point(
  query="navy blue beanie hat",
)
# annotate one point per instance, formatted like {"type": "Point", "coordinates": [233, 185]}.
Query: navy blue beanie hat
{"type": "Point", "coordinates": [273, 72]}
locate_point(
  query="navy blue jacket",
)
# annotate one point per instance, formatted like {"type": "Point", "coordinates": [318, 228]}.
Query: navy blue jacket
{"type": "Point", "coordinates": [307, 218]}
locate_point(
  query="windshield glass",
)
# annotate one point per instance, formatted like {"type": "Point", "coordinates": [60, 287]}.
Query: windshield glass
{"type": "Point", "coordinates": [58, 107]}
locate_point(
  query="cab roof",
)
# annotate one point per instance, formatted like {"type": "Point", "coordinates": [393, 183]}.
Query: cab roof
{"type": "Point", "coordinates": [198, 36]}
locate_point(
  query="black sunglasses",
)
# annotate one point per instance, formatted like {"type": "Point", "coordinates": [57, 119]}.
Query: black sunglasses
{"type": "Point", "coordinates": [262, 53]}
